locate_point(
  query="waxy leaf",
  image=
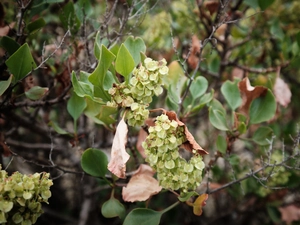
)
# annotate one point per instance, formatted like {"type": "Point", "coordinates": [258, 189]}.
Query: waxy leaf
{"type": "Point", "coordinates": [135, 46]}
{"type": "Point", "coordinates": [21, 63]}
{"type": "Point", "coordinates": [124, 62]}
{"type": "Point", "coordinates": [232, 94]}
{"type": "Point", "coordinates": [263, 108]}
{"type": "Point", "coordinates": [141, 216]}
{"type": "Point", "coordinates": [119, 155]}
{"type": "Point", "coordinates": [113, 208]}
{"type": "Point", "coordinates": [94, 162]}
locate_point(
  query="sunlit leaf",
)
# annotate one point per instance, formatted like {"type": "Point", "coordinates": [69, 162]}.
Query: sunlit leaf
{"type": "Point", "coordinates": [94, 162]}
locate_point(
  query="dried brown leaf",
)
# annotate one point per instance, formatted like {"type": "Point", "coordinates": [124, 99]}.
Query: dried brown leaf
{"type": "Point", "coordinates": [119, 156]}
{"type": "Point", "coordinates": [249, 93]}
{"type": "Point", "coordinates": [212, 6]}
{"type": "Point", "coordinates": [191, 143]}
{"type": "Point", "coordinates": [282, 92]}
{"type": "Point", "coordinates": [194, 52]}
{"type": "Point", "coordinates": [142, 137]}
{"type": "Point", "coordinates": [290, 213]}
{"type": "Point", "coordinates": [141, 186]}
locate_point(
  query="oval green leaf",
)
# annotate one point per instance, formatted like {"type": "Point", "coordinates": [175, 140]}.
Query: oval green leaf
{"type": "Point", "coordinates": [113, 208]}
{"type": "Point", "coordinates": [221, 144]}
{"type": "Point", "coordinates": [263, 108]}
{"type": "Point", "coordinates": [231, 93]}
{"type": "Point", "coordinates": [135, 46]}
{"type": "Point", "coordinates": [218, 119]}
{"type": "Point", "coordinates": [36, 93]}
{"type": "Point", "coordinates": [124, 62]}
{"type": "Point", "coordinates": [199, 87]}
{"type": "Point", "coordinates": [143, 217]}
{"type": "Point", "coordinates": [76, 105]}
{"type": "Point", "coordinates": [5, 84]}
{"type": "Point", "coordinates": [263, 136]}
{"type": "Point", "coordinates": [94, 162]}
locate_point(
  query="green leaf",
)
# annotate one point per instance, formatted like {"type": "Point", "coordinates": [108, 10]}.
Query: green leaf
{"type": "Point", "coordinates": [198, 87]}
{"type": "Point", "coordinates": [135, 46]}
{"type": "Point", "coordinates": [141, 216]}
{"type": "Point", "coordinates": [9, 44]}
{"type": "Point", "coordinates": [231, 93]}
{"type": "Point", "coordinates": [221, 144]}
{"type": "Point", "coordinates": [252, 3]}
{"type": "Point", "coordinates": [113, 208]}
{"type": "Point", "coordinates": [234, 159]}
{"type": "Point", "coordinates": [5, 84]}
{"type": "Point", "coordinates": [109, 80]}
{"type": "Point", "coordinates": [94, 162]}
{"type": "Point", "coordinates": [75, 106]}
{"type": "Point", "coordinates": [263, 4]}
{"type": "Point", "coordinates": [98, 76]}
{"type": "Point", "coordinates": [205, 99]}
{"type": "Point", "coordinates": [83, 9]}
{"type": "Point", "coordinates": [263, 136]}
{"type": "Point", "coordinates": [298, 39]}
{"type": "Point", "coordinates": [21, 62]}
{"type": "Point", "coordinates": [57, 128]}
{"type": "Point", "coordinates": [276, 30]}
{"type": "Point", "coordinates": [215, 64]}
{"type": "Point", "coordinates": [215, 104]}
{"type": "Point", "coordinates": [262, 109]}
{"type": "Point", "coordinates": [36, 25]}
{"type": "Point", "coordinates": [69, 18]}
{"type": "Point", "coordinates": [36, 92]}
{"type": "Point", "coordinates": [105, 114]}
{"type": "Point", "coordinates": [97, 46]}
{"type": "Point", "coordinates": [82, 88]}
{"type": "Point", "coordinates": [218, 119]}
{"type": "Point", "coordinates": [124, 62]}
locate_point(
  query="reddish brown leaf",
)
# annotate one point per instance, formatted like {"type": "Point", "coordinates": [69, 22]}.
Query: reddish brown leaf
{"type": "Point", "coordinates": [119, 156]}
{"type": "Point", "coordinates": [212, 6]}
{"type": "Point", "coordinates": [290, 213]}
{"type": "Point", "coordinates": [191, 143]}
{"type": "Point", "coordinates": [141, 186]}
{"type": "Point", "coordinates": [194, 52]}
{"type": "Point", "coordinates": [282, 91]}
{"type": "Point", "coordinates": [142, 137]}
{"type": "Point", "coordinates": [249, 93]}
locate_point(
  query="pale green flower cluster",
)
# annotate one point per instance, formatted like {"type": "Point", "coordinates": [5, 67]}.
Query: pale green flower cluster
{"type": "Point", "coordinates": [161, 147]}
{"type": "Point", "coordinates": [21, 197]}
{"type": "Point", "coordinates": [146, 81]}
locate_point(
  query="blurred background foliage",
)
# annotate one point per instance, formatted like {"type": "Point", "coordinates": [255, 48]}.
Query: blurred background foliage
{"type": "Point", "coordinates": [259, 39]}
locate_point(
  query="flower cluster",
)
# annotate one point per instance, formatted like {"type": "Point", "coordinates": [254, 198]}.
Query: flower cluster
{"type": "Point", "coordinates": [146, 81]}
{"type": "Point", "coordinates": [161, 148]}
{"type": "Point", "coordinates": [21, 197]}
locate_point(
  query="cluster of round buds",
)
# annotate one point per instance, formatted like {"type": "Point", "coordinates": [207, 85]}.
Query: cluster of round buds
{"type": "Point", "coordinates": [161, 147]}
{"type": "Point", "coordinates": [21, 197]}
{"type": "Point", "coordinates": [146, 81]}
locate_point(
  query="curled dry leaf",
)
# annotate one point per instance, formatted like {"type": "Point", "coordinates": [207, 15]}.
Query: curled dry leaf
{"type": "Point", "coordinates": [249, 93]}
{"type": "Point", "coordinates": [141, 186]}
{"type": "Point", "coordinates": [119, 156]}
{"type": "Point", "coordinates": [142, 137]}
{"type": "Point", "coordinates": [290, 213]}
{"type": "Point", "coordinates": [191, 143]}
{"type": "Point", "coordinates": [282, 92]}
{"type": "Point", "coordinates": [212, 6]}
{"type": "Point", "coordinates": [194, 52]}
{"type": "Point", "coordinates": [199, 203]}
